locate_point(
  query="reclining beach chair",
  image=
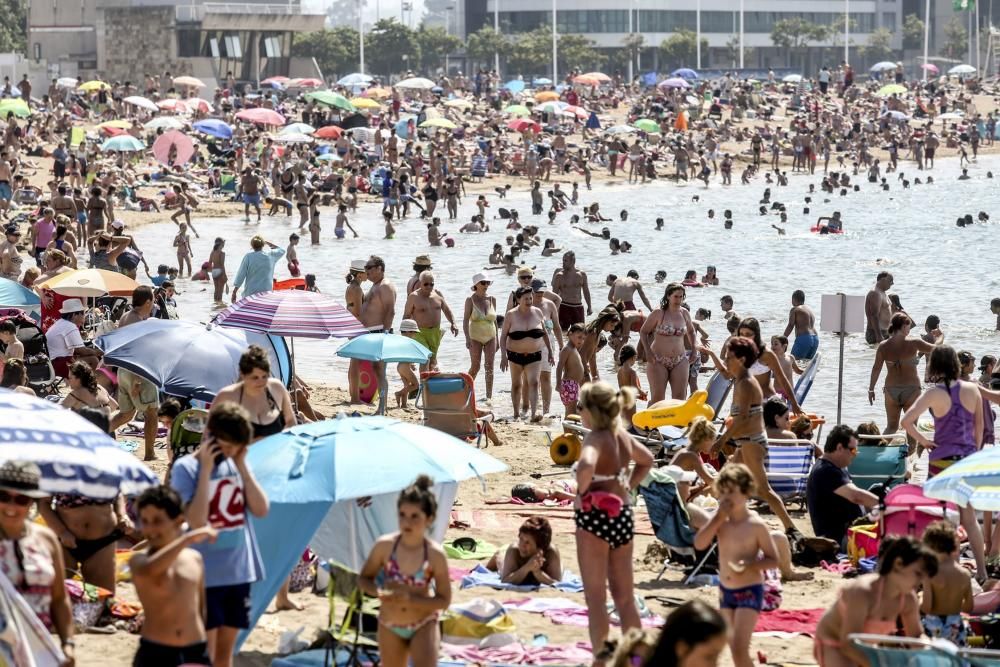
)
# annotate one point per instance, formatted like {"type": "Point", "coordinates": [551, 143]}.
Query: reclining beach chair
{"type": "Point", "coordinates": [874, 464]}
{"type": "Point", "coordinates": [788, 463]}
{"type": "Point", "coordinates": [670, 521]}
{"type": "Point", "coordinates": [448, 401]}
{"type": "Point", "coordinates": [805, 381]}
{"type": "Point", "coordinates": [718, 389]}
{"type": "Point", "coordinates": [185, 433]}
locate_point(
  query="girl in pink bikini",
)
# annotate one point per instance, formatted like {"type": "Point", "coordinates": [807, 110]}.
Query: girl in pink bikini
{"type": "Point", "coordinates": [876, 603]}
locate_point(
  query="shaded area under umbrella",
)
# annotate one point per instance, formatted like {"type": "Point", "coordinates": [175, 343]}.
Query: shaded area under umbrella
{"type": "Point", "coordinates": [384, 348]}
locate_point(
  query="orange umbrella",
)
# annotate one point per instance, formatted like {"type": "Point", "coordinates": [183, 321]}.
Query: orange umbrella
{"type": "Point", "coordinates": [600, 76]}
{"type": "Point", "coordinates": [328, 132]}
{"type": "Point", "coordinates": [378, 93]}
{"type": "Point", "coordinates": [547, 96]}
{"type": "Point", "coordinates": [586, 80]}
{"type": "Point", "coordinates": [90, 283]}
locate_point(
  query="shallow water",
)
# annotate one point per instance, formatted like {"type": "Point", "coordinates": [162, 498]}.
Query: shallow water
{"type": "Point", "coordinates": [938, 268]}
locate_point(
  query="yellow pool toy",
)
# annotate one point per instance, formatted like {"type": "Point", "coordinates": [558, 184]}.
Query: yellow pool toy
{"type": "Point", "coordinates": [565, 449]}
{"type": "Point", "coordinates": [672, 412]}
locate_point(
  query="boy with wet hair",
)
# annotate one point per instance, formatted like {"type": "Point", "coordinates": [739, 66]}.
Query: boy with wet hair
{"type": "Point", "coordinates": [949, 592]}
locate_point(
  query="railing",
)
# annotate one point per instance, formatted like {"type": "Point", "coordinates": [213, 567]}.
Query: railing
{"type": "Point", "coordinates": [194, 13]}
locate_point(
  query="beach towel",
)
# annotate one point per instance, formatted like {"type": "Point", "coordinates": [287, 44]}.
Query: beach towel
{"type": "Point", "coordinates": [542, 605]}
{"type": "Point", "coordinates": [517, 501]}
{"type": "Point", "coordinates": [482, 550]}
{"type": "Point", "coordinates": [579, 616]}
{"type": "Point", "coordinates": [520, 654]}
{"type": "Point", "coordinates": [791, 621]}
{"type": "Point", "coordinates": [24, 641]}
{"type": "Point", "coordinates": [473, 621]}
{"type": "Point", "coordinates": [480, 576]}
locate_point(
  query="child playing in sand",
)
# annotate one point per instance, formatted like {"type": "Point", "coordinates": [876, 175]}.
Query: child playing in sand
{"type": "Point", "coordinates": [410, 383]}
{"type": "Point", "coordinates": [170, 581]}
{"type": "Point", "coordinates": [743, 536]}
{"type": "Point", "coordinates": [183, 244]}
{"type": "Point", "coordinates": [569, 370]}
{"type": "Point", "coordinates": [948, 593]}
{"type": "Point", "coordinates": [627, 377]}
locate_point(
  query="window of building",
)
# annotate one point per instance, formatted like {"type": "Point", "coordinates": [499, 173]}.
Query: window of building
{"type": "Point", "coordinates": [889, 21]}
{"type": "Point", "coordinates": [188, 43]}
{"type": "Point", "coordinates": [213, 47]}
{"type": "Point", "coordinates": [232, 46]}
{"type": "Point", "coordinates": [272, 47]}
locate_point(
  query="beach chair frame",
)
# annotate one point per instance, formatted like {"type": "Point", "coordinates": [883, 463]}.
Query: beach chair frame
{"type": "Point", "coordinates": [478, 423]}
{"type": "Point", "coordinates": [363, 649]}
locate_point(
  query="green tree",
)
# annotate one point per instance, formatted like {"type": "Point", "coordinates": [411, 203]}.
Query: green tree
{"type": "Point", "coordinates": [13, 26]}
{"type": "Point", "coordinates": [391, 47]}
{"type": "Point", "coordinates": [335, 51]}
{"type": "Point", "coordinates": [796, 33]}
{"type": "Point", "coordinates": [956, 39]}
{"type": "Point", "coordinates": [483, 44]}
{"type": "Point", "coordinates": [879, 46]}
{"type": "Point", "coordinates": [835, 31]}
{"type": "Point", "coordinates": [578, 52]}
{"type": "Point", "coordinates": [913, 32]}
{"type": "Point", "coordinates": [435, 44]}
{"type": "Point", "coordinates": [531, 53]}
{"type": "Point", "coordinates": [733, 52]}
{"type": "Point", "coordinates": [680, 49]}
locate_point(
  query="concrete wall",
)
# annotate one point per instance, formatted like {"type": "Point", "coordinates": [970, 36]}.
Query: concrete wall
{"type": "Point", "coordinates": [134, 41]}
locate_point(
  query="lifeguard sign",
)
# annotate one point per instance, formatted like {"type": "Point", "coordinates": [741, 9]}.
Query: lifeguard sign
{"type": "Point", "coordinates": [841, 314]}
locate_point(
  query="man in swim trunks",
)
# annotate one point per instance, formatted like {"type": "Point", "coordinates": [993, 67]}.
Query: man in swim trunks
{"type": "Point", "coordinates": [624, 289]}
{"type": "Point", "coordinates": [569, 283]}
{"type": "Point", "coordinates": [802, 319]}
{"type": "Point", "coordinates": [878, 309]}
{"type": "Point", "coordinates": [425, 305]}
{"type": "Point", "coordinates": [250, 187]}
{"type": "Point", "coordinates": [378, 308]}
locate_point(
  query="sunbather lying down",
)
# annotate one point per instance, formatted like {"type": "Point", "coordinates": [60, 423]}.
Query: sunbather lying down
{"type": "Point", "coordinates": [562, 489]}
{"type": "Point", "coordinates": [531, 561]}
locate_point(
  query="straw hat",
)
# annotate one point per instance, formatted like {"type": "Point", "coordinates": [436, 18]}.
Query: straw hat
{"type": "Point", "coordinates": [480, 278]}
{"type": "Point", "coordinates": [422, 260]}
{"type": "Point", "coordinates": [358, 265]}
{"type": "Point", "coordinates": [72, 306]}
{"type": "Point", "coordinates": [22, 477]}
{"type": "Point", "coordinates": [408, 326]}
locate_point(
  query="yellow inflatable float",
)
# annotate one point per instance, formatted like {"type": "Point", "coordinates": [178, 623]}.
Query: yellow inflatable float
{"type": "Point", "coordinates": [672, 412]}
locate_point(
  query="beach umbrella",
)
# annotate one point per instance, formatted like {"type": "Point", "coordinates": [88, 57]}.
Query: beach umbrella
{"type": "Point", "coordinates": [930, 67]}
{"type": "Point", "coordinates": [15, 294]}
{"type": "Point", "coordinates": [546, 96]}
{"type": "Point", "coordinates": [214, 127]}
{"type": "Point", "coordinates": [684, 73]}
{"type": "Point", "coordinates": [16, 106]}
{"type": "Point", "coordinates": [593, 122]}
{"type": "Point", "coordinates": [298, 128]}
{"type": "Point", "coordinates": [164, 123]}
{"type": "Point", "coordinates": [330, 99]}
{"type": "Point", "coordinates": [67, 82]}
{"type": "Point", "coordinates": [75, 456]}
{"type": "Point", "coordinates": [674, 82]}
{"type": "Point", "coordinates": [364, 103]}
{"type": "Point", "coordinates": [355, 79]}
{"type": "Point", "coordinates": [600, 76]}
{"type": "Point", "coordinates": [86, 283]}
{"type": "Point", "coordinates": [188, 359]}
{"type": "Point", "coordinates": [552, 107]}
{"type": "Point", "coordinates": [387, 348]}
{"type": "Point", "coordinates": [416, 83]}
{"type": "Point", "coordinates": [118, 123]}
{"type": "Point", "coordinates": [585, 80]}
{"type": "Point", "coordinates": [517, 110]}
{"type": "Point", "coordinates": [443, 123]}
{"type": "Point", "coordinates": [541, 81]}
{"type": "Point", "coordinates": [378, 93]}
{"type": "Point", "coordinates": [891, 89]}
{"type": "Point", "coordinates": [951, 115]}
{"type": "Point", "coordinates": [307, 469]}
{"type": "Point", "coordinates": [95, 85]}
{"type": "Point", "coordinates": [974, 480]}
{"type": "Point", "coordinates": [367, 134]}
{"type": "Point", "coordinates": [792, 78]}
{"type": "Point", "coordinates": [329, 157]}
{"type": "Point", "coordinates": [329, 132]}
{"type": "Point", "coordinates": [261, 117]}
{"type": "Point", "coordinates": [620, 129]}
{"type": "Point", "coordinates": [141, 102]}
{"type": "Point", "coordinates": [198, 104]}
{"type": "Point", "coordinates": [883, 66]}
{"type": "Point", "coordinates": [962, 69]}
{"type": "Point", "coordinates": [189, 82]}
{"type": "Point", "coordinates": [523, 125]}
{"type": "Point", "coordinates": [172, 104]}
{"type": "Point", "coordinates": [896, 115]}
{"type": "Point", "coordinates": [514, 86]}
{"type": "Point", "coordinates": [175, 142]}
{"type": "Point", "coordinates": [293, 313]}
{"type": "Point", "coordinates": [303, 83]}
{"type": "Point", "coordinates": [280, 80]}
{"type": "Point", "coordinates": [125, 143]}
{"type": "Point", "coordinates": [292, 138]}
{"type": "Point", "coordinates": [647, 125]}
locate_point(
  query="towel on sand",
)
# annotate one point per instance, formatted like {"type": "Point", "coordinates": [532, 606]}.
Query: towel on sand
{"type": "Point", "coordinates": [480, 576]}
{"type": "Point", "coordinates": [793, 621]}
{"type": "Point", "coordinates": [520, 654]}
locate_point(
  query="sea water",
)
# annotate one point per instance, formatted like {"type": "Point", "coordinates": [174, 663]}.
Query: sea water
{"type": "Point", "coordinates": [939, 268]}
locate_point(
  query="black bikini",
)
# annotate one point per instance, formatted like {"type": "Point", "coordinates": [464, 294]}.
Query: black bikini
{"type": "Point", "coordinates": [525, 358]}
{"type": "Point", "coordinates": [275, 426]}
{"type": "Point", "coordinates": [530, 333]}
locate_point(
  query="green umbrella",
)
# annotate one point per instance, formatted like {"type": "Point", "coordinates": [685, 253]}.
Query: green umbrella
{"type": "Point", "coordinates": [16, 106]}
{"type": "Point", "coordinates": [647, 125]}
{"type": "Point", "coordinates": [891, 89]}
{"type": "Point", "coordinates": [330, 99]}
{"type": "Point", "coordinates": [518, 110]}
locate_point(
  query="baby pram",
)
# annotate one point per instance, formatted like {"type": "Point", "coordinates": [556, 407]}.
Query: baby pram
{"type": "Point", "coordinates": [42, 377]}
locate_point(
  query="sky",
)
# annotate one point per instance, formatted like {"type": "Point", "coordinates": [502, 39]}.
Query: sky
{"type": "Point", "coordinates": [385, 8]}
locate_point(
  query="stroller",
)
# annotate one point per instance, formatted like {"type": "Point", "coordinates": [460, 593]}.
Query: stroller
{"type": "Point", "coordinates": [42, 377]}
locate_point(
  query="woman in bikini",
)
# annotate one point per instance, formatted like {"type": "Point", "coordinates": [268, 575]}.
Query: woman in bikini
{"type": "Point", "coordinates": [409, 573]}
{"type": "Point", "coordinates": [522, 340]}
{"type": "Point", "coordinates": [480, 326]}
{"type": "Point", "coordinates": [84, 392]}
{"type": "Point", "coordinates": [900, 355]}
{"type": "Point", "coordinates": [875, 603]}
{"type": "Point", "coordinates": [218, 261]}
{"type": "Point", "coordinates": [766, 367]}
{"type": "Point", "coordinates": [531, 561]}
{"type": "Point", "coordinates": [606, 321]}
{"type": "Point", "coordinates": [668, 335]}
{"type": "Point", "coordinates": [603, 515]}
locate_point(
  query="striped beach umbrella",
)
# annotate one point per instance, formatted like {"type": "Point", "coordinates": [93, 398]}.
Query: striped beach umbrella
{"type": "Point", "coordinates": [975, 480]}
{"type": "Point", "coordinates": [292, 313]}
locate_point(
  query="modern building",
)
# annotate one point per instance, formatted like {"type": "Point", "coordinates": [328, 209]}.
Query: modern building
{"type": "Point", "coordinates": [607, 23]}
{"type": "Point", "coordinates": [124, 39]}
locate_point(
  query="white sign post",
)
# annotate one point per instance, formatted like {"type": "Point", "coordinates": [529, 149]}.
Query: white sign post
{"type": "Point", "coordinates": [842, 314]}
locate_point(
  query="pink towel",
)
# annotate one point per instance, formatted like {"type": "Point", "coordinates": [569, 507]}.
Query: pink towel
{"type": "Point", "coordinates": [579, 617]}
{"type": "Point", "coordinates": [456, 573]}
{"type": "Point", "coordinates": [801, 621]}
{"type": "Point", "coordinates": [519, 654]}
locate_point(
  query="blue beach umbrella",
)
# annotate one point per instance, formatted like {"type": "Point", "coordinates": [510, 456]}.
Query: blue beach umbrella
{"type": "Point", "coordinates": [125, 143]}
{"type": "Point", "coordinates": [685, 73]}
{"type": "Point", "coordinates": [214, 127]}
{"type": "Point", "coordinates": [75, 457]}
{"type": "Point", "coordinates": [389, 348]}
{"type": "Point", "coordinates": [514, 86]}
{"type": "Point", "coordinates": [592, 121]}
{"type": "Point", "coordinates": [187, 359]}
{"type": "Point", "coordinates": [355, 79]}
{"type": "Point", "coordinates": [314, 473]}
{"type": "Point", "coordinates": [541, 81]}
{"type": "Point", "coordinates": [975, 480]}
{"type": "Point", "coordinates": [15, 294]}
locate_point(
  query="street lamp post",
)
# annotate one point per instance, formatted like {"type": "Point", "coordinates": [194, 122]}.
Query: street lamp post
{"type": "Point", "coordinates": [361, 37]}
{"type": "Point", "coordinates": [555, 47]}
{"type": "Point", "coordinates": [697, 34]}
{"type": "Point", "coordinates": [741, 34]}
{"type": "Point", "coordinates": [847, 30]}
{"type": "Point", "coordinates": [496, 29]}
{"type": "Point", "coordinates": [927, 34]}
{"type": "Point", "coordinates": [631, 32]}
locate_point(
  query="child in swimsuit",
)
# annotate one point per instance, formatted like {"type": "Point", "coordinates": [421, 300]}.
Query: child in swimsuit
{"type": "Point", "coordinates": [409, 574]}
{"type": "Point", "coordinates": [876, 603]}
{"type": "Point", "coordinates": [569, 370]}
{"type": "Point", "coordinates": [746, 550]}
{"type": "Point", "coordinates": [948, 593]}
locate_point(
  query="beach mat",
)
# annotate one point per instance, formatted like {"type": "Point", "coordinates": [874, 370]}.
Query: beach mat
{"type": "Point", "coordinates": [480, 576]}
{"type": "Point", "coordinates": [789, 621]}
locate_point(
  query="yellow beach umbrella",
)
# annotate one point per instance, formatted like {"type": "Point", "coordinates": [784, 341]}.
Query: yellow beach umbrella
{"type": "Point", "coordinates": [91, 86]}
{"type": "Point", "coordinates": [439, 122]}
{"type": "Point", "coordinates": [547, 96]}
{"type": "Point", "coordinates": [122, 124]}
{"type": "Point", "coordinates": [365, 103]}
{"type": "Point", "coordinates": [87, 283]}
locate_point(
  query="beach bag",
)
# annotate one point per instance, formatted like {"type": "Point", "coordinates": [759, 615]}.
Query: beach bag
{"type": "Point", "coordinates": [862, 542]}
{"type": "Point", "coordinates": [304, 573]}
{"type": "Point", "coordinates": [908, 512]}
{"type": "Point", "coordinates": [473, 621]}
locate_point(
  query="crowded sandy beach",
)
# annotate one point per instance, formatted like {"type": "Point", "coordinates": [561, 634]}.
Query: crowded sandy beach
{"type": "Point", "coordinates": [465, 371]}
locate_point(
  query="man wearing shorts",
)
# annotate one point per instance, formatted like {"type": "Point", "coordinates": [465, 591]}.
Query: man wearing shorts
{"type": "Point", "coordinates": [571, 285]}
{"type": "Point", "coordinates": [803, 321]}
{"type": "Point", "coordinates": [425, 306]}
{"type": "Point", "coordinates": [219, 489]}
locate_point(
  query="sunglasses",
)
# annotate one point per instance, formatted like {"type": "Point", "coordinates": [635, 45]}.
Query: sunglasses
{"type": "Point", "coordinates": [484, 282]}
{"type": "Point", "coordinates": [524, 278]}
{"type": "Point", "coordinates": [15, 498]}
{"type": "Point", "coordinates": [580, 406]}
{"type": "Point", "coordinates": [428, 284]}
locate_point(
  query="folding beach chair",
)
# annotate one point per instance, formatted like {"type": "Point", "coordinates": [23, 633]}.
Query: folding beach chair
{"type": "Point", "coordinates": [448, 401]}
{"type": "Point", "coordinates": [718, 389]}
{"type": "Point", "coordinates": [787, 464]}
{"type": "Point", "coordinates": [888, 651]}
{"type": "Point", "coordinates": [805, 381]}
{"type": "Point", "coordinates": [671, 523]}
{"type": "Point", "coordinates": [874, 464]}
{"type": "Point", "coordinates": [356, 632]}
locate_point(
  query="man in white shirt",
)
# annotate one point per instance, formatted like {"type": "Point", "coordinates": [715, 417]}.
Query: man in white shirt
{"type": "Point", "coordinates": [65, 342]}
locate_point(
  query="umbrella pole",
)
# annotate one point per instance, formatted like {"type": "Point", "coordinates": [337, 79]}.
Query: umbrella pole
{"type": "Point", "coordinates": [383, 386]}
{"type": "Point", "coordinates": [291, 378]}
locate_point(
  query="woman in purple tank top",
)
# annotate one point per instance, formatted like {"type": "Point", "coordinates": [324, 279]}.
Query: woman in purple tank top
{"type": "Point", "coordinates": [957, 409]}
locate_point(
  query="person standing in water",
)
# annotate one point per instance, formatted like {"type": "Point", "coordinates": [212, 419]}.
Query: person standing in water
{"type": "Point", "coordinates": [878, 309]}
{"type": "Point", "coordinates": [803, 321]}
{"type": "Point", "coordinates": [571, 285]}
